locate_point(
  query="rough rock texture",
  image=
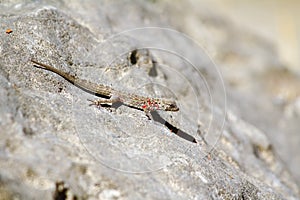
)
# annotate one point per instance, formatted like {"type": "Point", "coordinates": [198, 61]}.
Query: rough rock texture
{"type": "Point", "coordinates": [53, 145]}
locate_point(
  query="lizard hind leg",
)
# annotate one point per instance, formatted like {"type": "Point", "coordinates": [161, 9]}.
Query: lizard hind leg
{"type": "Point", "coordinates": [102, 102]}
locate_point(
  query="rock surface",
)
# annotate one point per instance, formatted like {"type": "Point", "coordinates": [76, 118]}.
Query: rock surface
{"type": "Point", "coordinates": [53, 145]}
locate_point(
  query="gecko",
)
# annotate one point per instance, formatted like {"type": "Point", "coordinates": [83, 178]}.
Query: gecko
{"type": "Point", "coordinates": [147, 104]}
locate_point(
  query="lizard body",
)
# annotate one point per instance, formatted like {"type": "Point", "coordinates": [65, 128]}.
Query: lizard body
{"type": "Point", "coordinates": [137, 101]}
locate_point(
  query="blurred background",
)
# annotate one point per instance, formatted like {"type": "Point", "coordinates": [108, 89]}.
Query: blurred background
{"type": "Point", "coordinates": [276, 20]}
{"type": "Point", "coordinates": [262, 70]}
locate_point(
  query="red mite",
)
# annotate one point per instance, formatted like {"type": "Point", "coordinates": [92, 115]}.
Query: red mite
{"type": "Point", "coordinates": [8, 31]}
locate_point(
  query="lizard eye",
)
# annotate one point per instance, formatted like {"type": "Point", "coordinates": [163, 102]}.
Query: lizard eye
{"type": "Point", "coordinates": [173, 107]}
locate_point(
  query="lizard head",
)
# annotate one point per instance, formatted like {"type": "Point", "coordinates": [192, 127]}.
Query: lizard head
{"type": "Point", "coordinates": [152, 104]}
{"type": "Point", "coordinates": [169, 105]}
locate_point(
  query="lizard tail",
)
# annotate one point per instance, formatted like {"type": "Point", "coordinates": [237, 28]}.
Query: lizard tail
{"type": "Point", "coordinates": [90, 87]}
{"type": "Point", "coordinates": [66, 76]}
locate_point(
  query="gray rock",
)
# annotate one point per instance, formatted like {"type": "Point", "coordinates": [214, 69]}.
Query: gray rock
{"type": "Point", "coordinates": [53, 145]}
